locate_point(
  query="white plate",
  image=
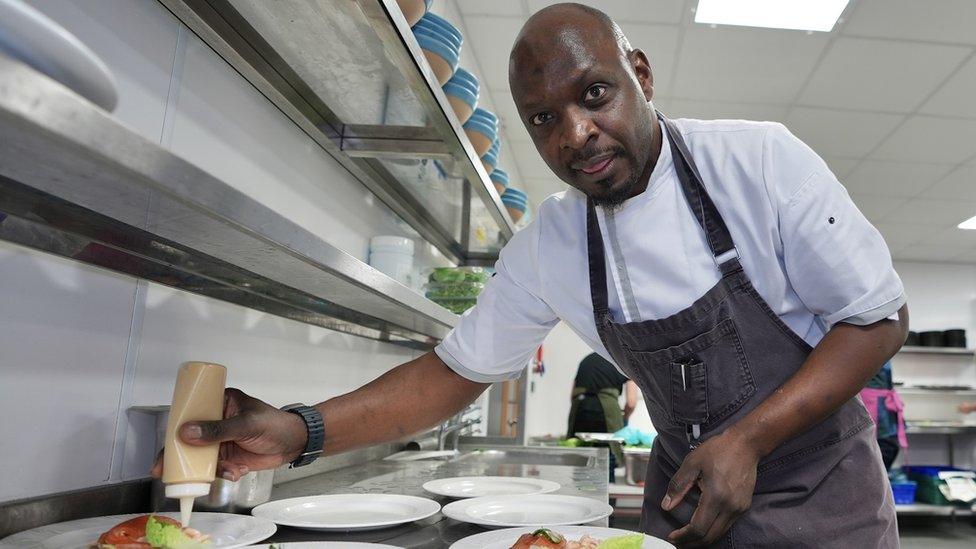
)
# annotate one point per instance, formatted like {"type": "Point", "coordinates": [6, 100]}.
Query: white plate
{"type": "Point", "coordinates": [33, 38]}
{"type": "Point", "coordinates": [546, 510]}
{"type": "Point", "coordinates": [474, 487]}
{"type": "Point", "coordinates": [326, 545]}
{"type": "Point", "coordinates": [503, 539]}
{"type": "Point", "coordinates": [347, 511]}
{"type": "Point", "coordinates": [226, 530]}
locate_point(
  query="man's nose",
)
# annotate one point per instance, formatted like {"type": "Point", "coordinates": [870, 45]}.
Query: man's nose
{"type": "Point", "coordinates": [578, 128]}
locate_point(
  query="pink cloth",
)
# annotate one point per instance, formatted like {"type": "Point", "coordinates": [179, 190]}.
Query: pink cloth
{"type": "Point", "coordinates": [893, 403]}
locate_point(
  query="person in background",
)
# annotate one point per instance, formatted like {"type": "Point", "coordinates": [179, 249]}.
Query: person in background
{"type": "Point", "coordinates": [596, 402]}
{"type": "Point", "coordinates": [887, 410]}
{"type": "Point", "coordinates": [596, 397]}
{"type": "Point", "coordinates": [967, 407]}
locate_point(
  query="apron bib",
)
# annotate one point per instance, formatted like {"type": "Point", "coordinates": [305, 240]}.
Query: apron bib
{"type": "Point", "coordinates": [707, 366]}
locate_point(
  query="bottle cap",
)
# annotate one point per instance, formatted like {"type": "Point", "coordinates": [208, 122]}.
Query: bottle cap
{"type": "Point", "coordinates": [187, 489]}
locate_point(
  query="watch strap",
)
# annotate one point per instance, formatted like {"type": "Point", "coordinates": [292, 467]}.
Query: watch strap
{"type": "Point", "coordinates": [315, 426]}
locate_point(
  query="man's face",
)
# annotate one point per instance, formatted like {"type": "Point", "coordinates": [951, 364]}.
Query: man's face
{"type": "Point", "coordinates": [587, 107]}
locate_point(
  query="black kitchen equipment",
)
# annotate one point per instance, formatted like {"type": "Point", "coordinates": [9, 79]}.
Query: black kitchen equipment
{"type": "Point", "coordinates": [955, 338]}
{"type": "Point", "coordinates": [932, 339]}
{"type": "Point", "coordinates": [912, 339]}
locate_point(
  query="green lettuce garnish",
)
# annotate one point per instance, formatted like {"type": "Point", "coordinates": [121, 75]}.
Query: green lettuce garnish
{"type": "Point", "coordinates": [168, 536]}
{"type": "Point", "coordinates": [630, 541]}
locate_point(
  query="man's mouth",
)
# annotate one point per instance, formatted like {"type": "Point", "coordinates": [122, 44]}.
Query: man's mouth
{"type": "Point", "coordinates": [597, 165]}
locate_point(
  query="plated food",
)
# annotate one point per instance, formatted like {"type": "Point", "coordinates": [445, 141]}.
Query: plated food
{"type": "Point", "coordinates": [544, 538]}
{"type": "Point", "coordinates": [151, 532]}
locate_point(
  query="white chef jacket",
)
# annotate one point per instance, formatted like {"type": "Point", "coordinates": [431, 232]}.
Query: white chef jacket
{"type": "Point", "coordinates": [808, 250]}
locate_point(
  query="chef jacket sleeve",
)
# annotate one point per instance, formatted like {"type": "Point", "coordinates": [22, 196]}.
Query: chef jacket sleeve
{"type": "Point", "coordinates": [837, 262]}
{"type": "Point", "coordinates": [496, 338]}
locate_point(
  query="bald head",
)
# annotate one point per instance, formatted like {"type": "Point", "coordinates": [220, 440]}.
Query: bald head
{"type": "Point", "coordinates": [584, 95]}
{"type": "Point", "coordinates": [563, 24]}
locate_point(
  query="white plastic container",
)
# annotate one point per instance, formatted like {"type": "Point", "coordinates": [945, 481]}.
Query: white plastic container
{"type": "Point", "coordinates": [393, 256]}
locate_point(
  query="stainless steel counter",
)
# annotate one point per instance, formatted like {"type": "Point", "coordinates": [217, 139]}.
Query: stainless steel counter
{"type": "Point", "coordinates": [580, 471]}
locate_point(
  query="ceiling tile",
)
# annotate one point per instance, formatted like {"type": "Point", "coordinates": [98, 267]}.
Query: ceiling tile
{"type": "Point", "coordinates": [539, 189]}
{"type": "Point", "coordinates": [925, 252]}
{"type": "Point", "coordinates": [745, 64]}
{"type": "Point", "coordinates": [529, 162]}
{"type": "Point", "coordinates": [841, 133]}
{"type": "Point", "coordinates": [954, 237]}
{"type": "Point", "coordinates": [955, 98]}
{"type": "Point", "coordinates": [492, 39]}
{"type": "Point", "coordinates": [660, 44]}
{"type": "Point", "coordinates": [900, 235]}
{"type": "Point", "coordinates": [940, 21]}
{"type": "Point", "coordinates": [920, 211]}
{"type": "Point", "coordinates": [930, 139]}
{"type": "Point", "coordinates": [495, 7]}
{"type": "Point", "coordinates": [874, 207]}
{"type": "Point", "coordinates": [841, 166]}
{"type": "Point", "coordinates": [958, 185]}
{"type": "Point", "coordinates": [712, 110]}
{"type": "Point", "coordinates": [871, 74]}
{"type": "Point", "coordinates": [965, 257]}
{"type": "Point", "coordinates": [655, 11]}
{"type": "Point", "coordinates": [894, 178]}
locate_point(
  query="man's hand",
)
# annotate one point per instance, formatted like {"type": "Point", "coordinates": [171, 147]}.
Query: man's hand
{"type": "Point", "coordinates": [724, 470]}
{"type": "Point", "coordinates": [253, 436]}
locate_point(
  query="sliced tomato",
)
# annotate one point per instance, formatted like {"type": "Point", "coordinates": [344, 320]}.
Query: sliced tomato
{"type": "Point", "coordinates": [131, 534]}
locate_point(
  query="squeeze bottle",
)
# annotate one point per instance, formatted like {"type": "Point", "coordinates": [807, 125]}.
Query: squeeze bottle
{"type": "Point", "coordinates": [189, 470]}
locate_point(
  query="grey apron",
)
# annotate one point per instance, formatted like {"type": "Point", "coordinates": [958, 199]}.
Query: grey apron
{"type": "Point", "coordinates": [704, 368]}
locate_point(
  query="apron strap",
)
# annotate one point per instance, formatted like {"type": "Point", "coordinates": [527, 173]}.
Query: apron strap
{"type": "Point", "coordinates": [598, 270]}
{"type": "Point", "coordinates": [717, 233]}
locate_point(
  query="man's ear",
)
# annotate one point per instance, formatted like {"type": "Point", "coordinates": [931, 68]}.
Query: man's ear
{"type": "Point", "coordinates": [642, 69]}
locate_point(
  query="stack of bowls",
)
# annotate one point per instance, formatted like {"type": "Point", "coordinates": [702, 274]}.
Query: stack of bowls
{"type": "Point", "coordinates": [516, 202]}
{"type": "Point", "coordinates": [499, 177]}
{"type": "Point", "coordinates": [441, 42]}
{"type": "Point", "coordinates": [462, 93]}
{"type": "Point", "coordinates": [481, 129]}
{"type": "Point", "coordinates": [490, 159]}
{"type": "Point", "coordinates": [413, 10]}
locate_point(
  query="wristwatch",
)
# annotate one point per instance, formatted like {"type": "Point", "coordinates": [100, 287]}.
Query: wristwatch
{"type": "Point", "coordinates": [316, 433]}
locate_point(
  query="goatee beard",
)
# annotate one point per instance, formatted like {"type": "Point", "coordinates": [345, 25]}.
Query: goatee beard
{"type": "Point", "coordinates": [613, 200]}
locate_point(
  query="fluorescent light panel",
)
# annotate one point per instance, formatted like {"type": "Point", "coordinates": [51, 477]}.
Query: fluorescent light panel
{"type": "Point", "coordinates": [811, 15]}
{"type": "Point", "coordinates": [968, 224]}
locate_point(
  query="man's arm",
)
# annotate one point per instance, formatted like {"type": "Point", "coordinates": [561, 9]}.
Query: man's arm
{"type": "Point", "coordinates": [724, 467]}
{"type": "Point", "coordinates": [630, 402]}
{"type": "Point", "coordinates": [409, 398]}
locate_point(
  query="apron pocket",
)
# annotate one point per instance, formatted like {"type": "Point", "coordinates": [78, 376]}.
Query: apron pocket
{"type": "Point", "coordinates": [723, 379]}
{"type": "Point", "coordinates": [689, 391]}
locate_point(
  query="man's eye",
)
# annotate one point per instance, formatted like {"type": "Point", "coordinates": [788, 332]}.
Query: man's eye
{"type": "Point", "coordinates": [595, 92]}
{"type": "Point", "coordinates": [540, 119]}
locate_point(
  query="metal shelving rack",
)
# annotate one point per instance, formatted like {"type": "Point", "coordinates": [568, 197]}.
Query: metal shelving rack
{"type": "Point", "coordinates": [77, 183]}
{"type": "Point", "coordinates": [352, 76]}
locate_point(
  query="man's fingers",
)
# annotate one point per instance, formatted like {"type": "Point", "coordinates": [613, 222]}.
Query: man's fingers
{"type": "Point", "coordinates": [202, 433]}
{"type": "Point", "coordinates": [719, 528]}
{"type": "Point", "coordinates": [157, 468]}
{"type": "Point", "coordinates": [680, 484]}
{"type": "Point", "coordinates": [700, 525]}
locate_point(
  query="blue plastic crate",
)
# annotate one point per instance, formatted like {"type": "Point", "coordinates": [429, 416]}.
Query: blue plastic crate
{"type": "Point", "coordinates": [904, 492]}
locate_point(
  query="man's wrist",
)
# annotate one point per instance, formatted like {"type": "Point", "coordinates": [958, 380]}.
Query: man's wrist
{"type": "Point", "coordinates": [750, 438]}
{"type": "Point", "coordinates": [297, 437]}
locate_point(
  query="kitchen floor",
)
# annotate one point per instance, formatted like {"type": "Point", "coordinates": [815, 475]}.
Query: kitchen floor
{"type": "Point", "coordinates": [916, 533]}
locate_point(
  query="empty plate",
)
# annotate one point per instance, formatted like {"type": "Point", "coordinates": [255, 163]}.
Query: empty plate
{"type": "Point", "coordinates": [347, 511]}
{"type": "Point", "coordinates": [503, 539]}
{"type": "Point", "coordinates": [226, 530]}
{"type": "Point", "coordinates": [546, 510]}
{"type": "Point", "coordinates": [473, 487]}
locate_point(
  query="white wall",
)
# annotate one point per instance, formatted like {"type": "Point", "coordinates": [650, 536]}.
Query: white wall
{"type": "Point", "coordinates": [79, 345]}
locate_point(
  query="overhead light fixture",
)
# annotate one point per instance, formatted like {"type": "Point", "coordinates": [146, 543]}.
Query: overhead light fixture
{"type": "Point", "coordinates": [969, 224]}
{"type": "Point", "coordinates": [808, 15]}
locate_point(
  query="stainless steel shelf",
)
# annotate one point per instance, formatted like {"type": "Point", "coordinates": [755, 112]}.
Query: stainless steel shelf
{"type": "Point", "coordinates": [947, 428]}
{"type": "Point", "coordinates": [351, 75]}
{"type": "Point", "coordinates": [935, 392]}
{"type": "Point", "coordinates": [75, 182]}
{"type": "Point", "coordinates": [937, 351]}
{"type": "Point", "coordinates": [925, 509]}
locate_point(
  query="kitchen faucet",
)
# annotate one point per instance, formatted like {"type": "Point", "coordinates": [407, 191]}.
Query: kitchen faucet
{"type": "Point", "coordinates": [447, 430]}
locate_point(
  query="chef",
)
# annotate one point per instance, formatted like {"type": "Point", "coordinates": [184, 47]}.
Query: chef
{"type": "Point", "coordinates": [720, 265]}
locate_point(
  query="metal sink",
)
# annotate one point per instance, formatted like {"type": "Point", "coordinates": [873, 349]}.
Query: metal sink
{"type": "Point", "coordinates": [522, 456]}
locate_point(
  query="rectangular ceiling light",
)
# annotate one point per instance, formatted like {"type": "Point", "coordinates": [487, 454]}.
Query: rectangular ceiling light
{"type": "Point", "coordinates": [809, 15]}
{"type": "Point", "coordinates": [968, 224]}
